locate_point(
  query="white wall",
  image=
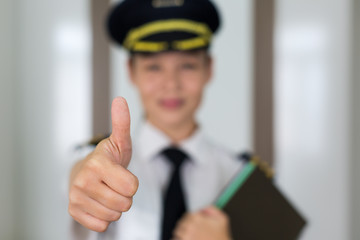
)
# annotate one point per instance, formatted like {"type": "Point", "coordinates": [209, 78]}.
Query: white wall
{"type": "Point", "coordinates": [226, 111]}
{"type": "Point", "coordinates": [313, 112]}
{"type": "Point", "coordinates": [6, 120]}
{"type": "Point", "coordinates": [51, 95]}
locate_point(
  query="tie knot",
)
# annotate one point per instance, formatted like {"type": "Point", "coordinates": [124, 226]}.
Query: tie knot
{"type": "Point", "coordinates": [175, 156]}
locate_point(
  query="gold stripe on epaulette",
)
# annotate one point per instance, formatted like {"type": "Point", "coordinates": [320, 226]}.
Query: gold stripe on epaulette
{"type": "Point", "coordinates": [168, 25]}
{"type": "Point", "coordinates": [263, 166]}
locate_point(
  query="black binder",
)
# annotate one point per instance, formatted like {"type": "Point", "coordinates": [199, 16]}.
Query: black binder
{"type": "Point", "coordinates": [257, 209]}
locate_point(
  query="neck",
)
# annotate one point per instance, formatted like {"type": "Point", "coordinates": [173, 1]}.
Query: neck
{"type": "Point", "coordinates": [177, 133]}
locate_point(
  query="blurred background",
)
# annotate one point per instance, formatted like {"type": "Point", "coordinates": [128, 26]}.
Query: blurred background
{"type": "Point", "coordinates": [286, 85]}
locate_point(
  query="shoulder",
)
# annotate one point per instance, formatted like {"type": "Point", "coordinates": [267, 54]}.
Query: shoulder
{"type": "Point", "coordinates": [221, 155]}
{"type": "Point", "coordinates": [218, 149]}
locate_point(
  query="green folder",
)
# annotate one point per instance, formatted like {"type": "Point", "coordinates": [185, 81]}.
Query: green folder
{"type": "Point", "coordinates": [257, 209]}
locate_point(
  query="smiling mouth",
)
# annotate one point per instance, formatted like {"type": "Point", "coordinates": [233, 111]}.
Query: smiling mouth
{"type": "Point", "coordinates": [172, 104]}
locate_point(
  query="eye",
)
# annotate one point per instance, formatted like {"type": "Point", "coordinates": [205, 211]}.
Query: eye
{"type": "Point", "coordinates": [153, 67]}
{"type": "Point", "coordinates": [189, 66]}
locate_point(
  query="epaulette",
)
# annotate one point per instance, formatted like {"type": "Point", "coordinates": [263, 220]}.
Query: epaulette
{"type": "Point", "coordinates": [263, 165]}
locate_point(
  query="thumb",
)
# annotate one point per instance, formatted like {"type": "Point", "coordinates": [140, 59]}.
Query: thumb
{"type": "Point", "coordinates": [120, 136]}
{"type": "Point", "coordinates": [211, 211]}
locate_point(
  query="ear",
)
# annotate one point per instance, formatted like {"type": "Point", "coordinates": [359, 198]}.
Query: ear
{"type": "Point", "coordinates": [131, 69]}
{"type": "Point", "coordinates": [209, 68]}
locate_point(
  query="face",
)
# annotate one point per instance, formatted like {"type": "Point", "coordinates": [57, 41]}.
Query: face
{"type": "Point", "coordinates": [171, 85]}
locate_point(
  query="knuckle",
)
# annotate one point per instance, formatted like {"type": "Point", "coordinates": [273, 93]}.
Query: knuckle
{"type": "Point", "coordinates": [81, 182]}
{"type": "Point", "coordinates": [109, 216]}
{"type": "Point", "coordinates": [107, 196]}
{"type": "Point", "coordinates": [115, 216]}
{"type": "Point", "coordinates": [108, 199]}
{"type": "Point", "coordinates": [93, 164]}
{"type": "Point", "coordinates": [101, 227]}
{"type": "Point", "coordinates": [133, 185]}
{"type": "Point", "coordinates": [126, 204]}
{"type": "Point", "coordinates": [74, 198]}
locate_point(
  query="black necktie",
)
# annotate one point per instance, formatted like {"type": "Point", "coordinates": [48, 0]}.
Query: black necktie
{"type": "Point", "coordinates": [174, 203]}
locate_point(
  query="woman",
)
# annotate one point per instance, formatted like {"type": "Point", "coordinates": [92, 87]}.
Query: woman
{"type": "Point", "coordinates": [180, 172]}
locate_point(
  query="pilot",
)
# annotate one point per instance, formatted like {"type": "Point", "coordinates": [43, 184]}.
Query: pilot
{"type": "Point", "coordinates": [164, 182]}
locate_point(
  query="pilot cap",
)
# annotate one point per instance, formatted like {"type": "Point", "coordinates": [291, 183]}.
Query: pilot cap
{"type": "Point", "coordinates": [151, 26]}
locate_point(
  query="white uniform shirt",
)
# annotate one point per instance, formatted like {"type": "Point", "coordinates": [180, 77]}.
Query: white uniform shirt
{"type": "Point", "coordinates": [204, 176]}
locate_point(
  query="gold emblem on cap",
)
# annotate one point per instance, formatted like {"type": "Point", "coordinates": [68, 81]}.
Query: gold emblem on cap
{"type": "Point", "coordinates": [167, 3]}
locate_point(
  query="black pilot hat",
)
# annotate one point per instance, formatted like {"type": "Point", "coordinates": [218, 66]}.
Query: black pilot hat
{"type": "Point", "coordinates": [151, 26]}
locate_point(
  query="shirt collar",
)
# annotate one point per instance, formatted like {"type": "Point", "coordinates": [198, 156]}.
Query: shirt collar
{"type": "Point", "coordinates": [194, 146]}
{"type": "Point", "coordinates": [151, 141]}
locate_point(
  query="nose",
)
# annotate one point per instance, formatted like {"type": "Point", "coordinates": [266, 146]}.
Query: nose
{"type": "Point", "coordinates": [172, 81]}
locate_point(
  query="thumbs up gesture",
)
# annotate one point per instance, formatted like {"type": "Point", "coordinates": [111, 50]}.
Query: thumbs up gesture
{"type": "Point", "coordinates": [101, 187]}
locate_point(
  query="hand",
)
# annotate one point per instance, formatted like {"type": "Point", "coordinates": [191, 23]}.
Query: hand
{"type": "Point", "coordinates": [101, 187]}
{"type": "Point", "coordinates": [207, 224]}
